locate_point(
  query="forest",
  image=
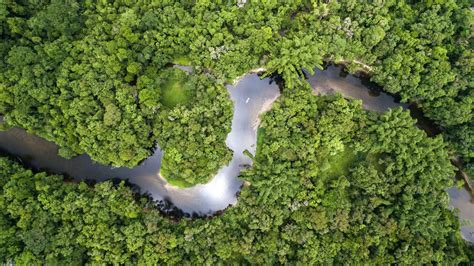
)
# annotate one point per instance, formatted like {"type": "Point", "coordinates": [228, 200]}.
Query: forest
{"type": "Point", "coordinates": [331, 183]}
{"type": "Point", "coordinates": [384, 203]}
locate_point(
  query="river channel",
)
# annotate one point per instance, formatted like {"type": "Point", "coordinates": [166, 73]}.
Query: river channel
{"type": "Point", "coordinates": [251, 97]}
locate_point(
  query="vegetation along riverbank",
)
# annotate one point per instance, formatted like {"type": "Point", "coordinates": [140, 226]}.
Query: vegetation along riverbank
{"type": "Point", "coordinates": [331, 183]}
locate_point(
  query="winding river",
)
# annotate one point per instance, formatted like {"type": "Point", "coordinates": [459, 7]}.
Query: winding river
{"type": "Point", "coordinates": [334, 80]}
{"type": "Point", "coordinates": [251, 96]}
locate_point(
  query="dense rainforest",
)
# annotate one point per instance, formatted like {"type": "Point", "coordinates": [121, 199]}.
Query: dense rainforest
{"type": "Point", "coordinates": [347, 185]}
{"type": "Point", "coordinates": [330, 183]}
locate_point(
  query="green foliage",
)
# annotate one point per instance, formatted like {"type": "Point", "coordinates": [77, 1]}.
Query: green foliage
{"type": "Point", "coordinates": [174, 90]}
{"type": "Point", "coordinates": [182, 60]}
{"type": "Point", "coordinates": [66, 223]}
{"type": "Point", "coordinates": [90, 81]}
{"type": "Point", "coordinates": [330, 184]}
{"type": "Point", "coordinates": [193, 136]}
{"type": "Point", "coordinates": [461, 140]}
{"type": "Point", "coordinates": [63, 57]}
{"type": "Point", "coordinates": [339, 164]}
{"type": "Point", "coordinates": [293, 55]}
{"type": "Point", "coordinates": [385, 203]}
{"type": "Point", "coordinates": [381, 207]}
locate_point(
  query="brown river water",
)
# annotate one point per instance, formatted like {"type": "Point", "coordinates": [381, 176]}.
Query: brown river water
{"type": "Point", "coordinates": [251, 97]}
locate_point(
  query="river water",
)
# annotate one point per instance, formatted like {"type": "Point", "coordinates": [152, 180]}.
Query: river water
{"type": "Point", "coordinates": [251, 96]}
{"type": "Point", "coordinates": [333, 79]}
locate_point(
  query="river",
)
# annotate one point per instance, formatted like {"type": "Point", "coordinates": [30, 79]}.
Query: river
{"type": "Point", "coordinates": [333, 79]}
{"type": "Point", "coordinates": [251, 96]}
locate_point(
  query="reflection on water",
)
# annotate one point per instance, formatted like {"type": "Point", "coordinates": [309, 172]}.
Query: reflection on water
{"type": "Point", "coordinates": [334, 79]}
{"type": "Point", "coordinates": [462, 200]}
{"type": "Point", "coordinates": [250, 95]}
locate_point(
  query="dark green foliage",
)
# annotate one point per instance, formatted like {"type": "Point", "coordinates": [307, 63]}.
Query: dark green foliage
{"type": "Point", "coordinates": [100, 92]}
{"type": "Point", "coordinates": [92, 78]}
{"type": "Point", "coordinates": [387, 203]}
{"type": "Point", "coordinates": [461, 138]}
{"type": "Point", "coordinates": [293, 55]}
{"type": "Point", "coordinates": [81, 74]}
{"type": "Point", "coordinates": [47, 220]}
{"type": "Point", "coordinates": [193, 135]}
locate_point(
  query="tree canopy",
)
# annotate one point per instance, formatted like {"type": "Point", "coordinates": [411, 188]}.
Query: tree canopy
{"type": "Point", "coordinates": [330, 184]}
{"type": "Point", "coordinates": [75, 72]}
{"type": "Point", "coordinates": [383, 203]}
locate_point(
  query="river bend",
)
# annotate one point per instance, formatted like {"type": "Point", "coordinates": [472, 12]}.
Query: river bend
{"type": "Point", "coordinates": [251, 97]}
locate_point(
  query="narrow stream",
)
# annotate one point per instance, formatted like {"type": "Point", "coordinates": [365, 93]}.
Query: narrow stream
{"type": "Point", "coordinates": [251, 97]}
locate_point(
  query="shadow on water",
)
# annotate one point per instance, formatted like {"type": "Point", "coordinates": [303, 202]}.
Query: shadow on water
{"type": "Point", "coordinates": [334, 79]}
{"type": "Point", "coordinates": [428, 125]}
{"type": "Point", "coordinates": [251, 96]}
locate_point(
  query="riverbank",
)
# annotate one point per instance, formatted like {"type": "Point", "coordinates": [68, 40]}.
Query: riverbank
{"type": "Point", "coordinates": [257, 71]}
{"type": "Point", "coordinates": [249, 95]}
{"type": "Point", "coordinates": [364, 69]}
{"type": "Point", "coordinates": [359, 86]}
